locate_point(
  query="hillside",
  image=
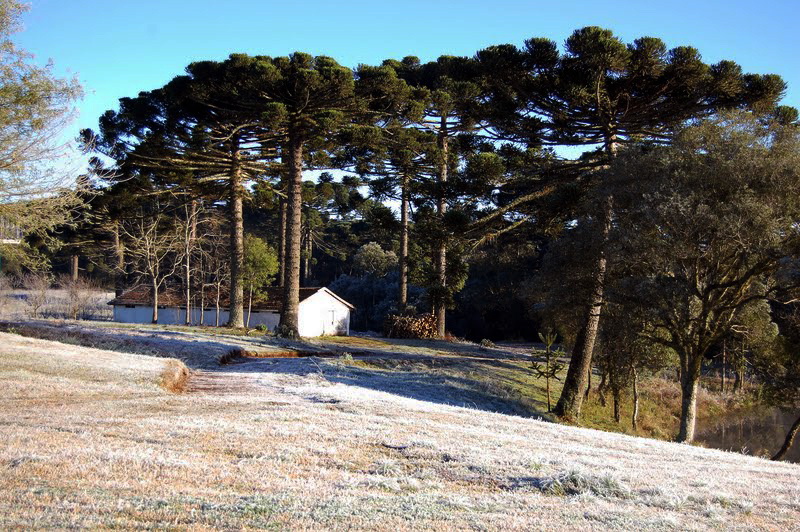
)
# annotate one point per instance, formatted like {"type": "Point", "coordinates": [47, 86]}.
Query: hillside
{"type": "Point", "coordinates": [90, 438]}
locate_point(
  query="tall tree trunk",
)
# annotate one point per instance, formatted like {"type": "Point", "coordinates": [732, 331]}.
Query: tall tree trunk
{"type": "Point", "coordinates": [249, 306]}
{"type": "Point", "coordinates": [738, 379]}
{"type": "Point", "coordinates": [291, 293]}
{"type": "Point", "coordinates": [282, 244]}
{"type": "Point", "coordinates": [690, 380]}
{"type": "Point", "coordinates": [119, 252]}
{"type": "Point", "coordinates": [202, 274]}
{"type": "Point", "coordinates": [73, 267]}
{"type": "Point", "coordinates": [440, 261]}
{"type": "Point", "coordinates": [192, 233]}
{"type": "Point", "coordinates": [155, 300]}
{"type": "Point", "coordinates": [617, 401]}
{"type": "Point", "coordinates": [635, 415]}
{"type": "Point", "coordinates": [601, 388]}
{"type": "Point", "coordinates": [403, 297]}
{"type": "Point", "coordinates": [307, 254]}
{"type": "Point", "coordinates": [787, 443]}
{"type": "Point", "coordinates": [282, 210]}
{"type": "Point", "coordinates": [724, 361]}
{"type": "Point", "coordinates": [236, 318]}
{"type": "Point", "coordinates": [588, 384]}
{"type": "Point", "coordinates": [219, 289]}
{"type": "Point", "coordinates": [187, 267]}
{"type": "Point", "coordinates": [569, 404]}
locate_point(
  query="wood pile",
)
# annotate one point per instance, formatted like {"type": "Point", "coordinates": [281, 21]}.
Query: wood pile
{"type": "Point", "coordinates": [419, 326]}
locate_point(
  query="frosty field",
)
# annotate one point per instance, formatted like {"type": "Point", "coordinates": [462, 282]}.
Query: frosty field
{"type": "Point", "coordinates": [92, 438]}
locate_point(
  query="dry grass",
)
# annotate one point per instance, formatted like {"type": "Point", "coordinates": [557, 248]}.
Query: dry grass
{"type": "Point", "coordinates": [175, 376]}
{"type": "Point", "coordinates": [58, 303]}
{"type": "Point", "coordinates": [90, 440]}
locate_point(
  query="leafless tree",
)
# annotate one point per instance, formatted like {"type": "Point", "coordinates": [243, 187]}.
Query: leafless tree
{"type": "Point", "coordinates": [154, 250]}
{"type": "Point", "coordinates": [215, 266]}
{"type": "Point", "coordinates": [37, 284]}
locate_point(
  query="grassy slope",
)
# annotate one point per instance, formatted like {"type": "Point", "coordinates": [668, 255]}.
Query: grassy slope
{"type": "Point", "coordinates": [89, 440]}
{"type": "Point", "coordinates": [513, 383]}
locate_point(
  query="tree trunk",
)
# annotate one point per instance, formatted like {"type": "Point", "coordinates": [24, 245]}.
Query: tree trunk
{"type": "Point", "coordinates": [307, 254]}
{"type": "Point", "coordinates": [73, 267]}
{"type": "Point", "coordinates": [119, 252]}
{"type": "Point", "coordinates": [282, 208]}
{"type": "Point", "coordinates": [282, 244]}
{"type": "Point", "coordinates": [202, 274]}
{"type": "Point", "coordinates": [249, 306]}
{"type": "Point", "coordinates": [192, 233]}
{"type": "Point", "coordinates": [617, 400]}
{"type": "Point", "coordinates": [690, 379]}
{"type": "Point", "coordinates": [188, 272]}
{"type": "Point", "coordinates": [216, 323]}
{"type": "Point", "coordinates": [569, 404]}
{"type": "Point", "coordinates": [403, 299]}
{"type": "Point", "coordinates": [787, 443]}
{"type": "Point", "coordinates": [724, 360]}
{"type": "Point", "coordinates": [601, 388]}
{"type": "Point", "coordinates": [588, 384]}
{"type": "Point", "coordinates": [155, 301]}
{"type": "Point", "coordinates": [738, 379]}
{"type": "Point", "coordinates": [236, 318]}
{"type": "Point", "coordinates": [440, 260]}
{"type": "Point", "coordinates": [635, 416]}
{"type": "Point", "coordinates": [291, 293]}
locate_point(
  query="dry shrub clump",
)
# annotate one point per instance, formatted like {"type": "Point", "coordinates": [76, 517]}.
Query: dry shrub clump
{"type": "Point", "coordinates": [37, 285]}
{"type": "Point", "coordinates": [175, 377]}
{"type": "Point", "coordinates": [80, 295]}
{"type": "Point", "coordinates": [576, 483]}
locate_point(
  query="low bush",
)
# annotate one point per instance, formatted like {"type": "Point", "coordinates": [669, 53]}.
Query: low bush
{"type": "Point", "coordinates": [576, 483]}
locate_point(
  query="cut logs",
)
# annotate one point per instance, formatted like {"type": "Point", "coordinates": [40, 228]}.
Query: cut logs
{"type": "Point", "coordinates": [420, 326]}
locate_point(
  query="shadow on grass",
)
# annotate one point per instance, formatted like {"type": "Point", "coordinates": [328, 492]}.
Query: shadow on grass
{"type": "Point", "coordinates": [471, 379]}
{"type": "Point", "coordinates": [457, 382]}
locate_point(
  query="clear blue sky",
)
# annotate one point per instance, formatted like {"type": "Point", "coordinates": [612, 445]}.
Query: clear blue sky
{"type": "Point", "coordinates": [120, 48]}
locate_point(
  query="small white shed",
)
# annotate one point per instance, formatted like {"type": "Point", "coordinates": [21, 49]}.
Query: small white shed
{"type": "Point", "coordinates": [321, 312]}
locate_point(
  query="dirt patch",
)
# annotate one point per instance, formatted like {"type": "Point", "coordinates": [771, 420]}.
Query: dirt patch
{"type": "Point", "coordinates": [240, 356]}
{"type": "Point", "coordinates": [219, 383]}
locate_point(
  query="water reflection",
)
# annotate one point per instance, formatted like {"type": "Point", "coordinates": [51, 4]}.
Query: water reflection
{"type": "Point", "coordinates": [759, 432]}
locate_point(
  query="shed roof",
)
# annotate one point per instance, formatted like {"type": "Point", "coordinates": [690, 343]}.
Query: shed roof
{"type": "Point", "coordinates": [271, 298]}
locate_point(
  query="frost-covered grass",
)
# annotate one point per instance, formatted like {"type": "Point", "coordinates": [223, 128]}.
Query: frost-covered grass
{"type": "Point", "coordinates": [14, 304]}
{"type": "Point", "coordinates": [87, 439]}
{"type": "Point", "coordinates": [498, 379]}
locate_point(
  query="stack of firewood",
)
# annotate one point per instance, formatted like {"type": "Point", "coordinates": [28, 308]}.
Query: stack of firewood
{"type": "Point", "coordinates": [420, 326]}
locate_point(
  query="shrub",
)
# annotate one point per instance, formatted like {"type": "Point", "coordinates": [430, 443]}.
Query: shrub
{"type": "Point", "coordinates": [575, 483]}
{"type": "Point", "coordinates": [80, 294]}
{"type": "Point", "coordinates": [37, 285]}
{"type": "Point", "coordinates": [285, 332]}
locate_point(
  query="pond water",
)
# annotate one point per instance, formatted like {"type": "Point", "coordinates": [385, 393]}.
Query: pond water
{"type": "Point", "coordinates": [760, 432]}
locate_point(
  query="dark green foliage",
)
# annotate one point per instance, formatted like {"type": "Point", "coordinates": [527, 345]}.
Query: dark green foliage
{"type": "Point", "coordinates": [706, 228]}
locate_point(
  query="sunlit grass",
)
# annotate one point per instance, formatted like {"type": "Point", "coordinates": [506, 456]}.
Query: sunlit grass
{"type": "Point", "coordinates": [89, 440]}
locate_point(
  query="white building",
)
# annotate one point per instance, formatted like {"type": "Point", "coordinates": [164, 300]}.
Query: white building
{"type": "Point", "coordinates": [321, 311]}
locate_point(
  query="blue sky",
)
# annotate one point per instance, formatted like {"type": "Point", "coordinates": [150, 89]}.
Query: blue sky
{"type": "Point", "coordinates": [120, 48]}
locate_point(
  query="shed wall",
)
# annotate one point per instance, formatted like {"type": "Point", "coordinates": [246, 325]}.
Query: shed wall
{"type": "Point", "coordinates": [322, 314]}
{"type": "Point", "coordinates": [177, 316]}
